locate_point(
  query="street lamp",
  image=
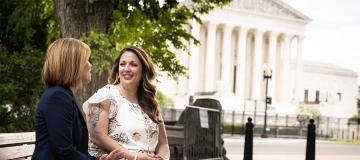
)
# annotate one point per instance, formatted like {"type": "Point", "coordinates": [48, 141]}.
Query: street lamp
{"type": "Point", "coordinates": [267, 76]}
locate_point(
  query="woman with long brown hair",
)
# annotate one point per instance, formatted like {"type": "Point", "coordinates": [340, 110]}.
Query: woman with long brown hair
{"type": "Point", "coordinates": [125, 114]}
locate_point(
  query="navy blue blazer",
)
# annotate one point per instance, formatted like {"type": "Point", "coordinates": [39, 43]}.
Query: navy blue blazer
{"type": "Point", "coordinates": [61, 131]}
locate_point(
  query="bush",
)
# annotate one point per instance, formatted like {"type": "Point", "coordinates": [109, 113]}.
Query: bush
{"type": "Point", "coordinates": [238, 129]}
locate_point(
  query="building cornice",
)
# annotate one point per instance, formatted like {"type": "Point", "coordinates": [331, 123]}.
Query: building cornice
{"type": "Point", "coordinates": [326, 68]}
{"type": "Point", "coordinates": [269, 8]}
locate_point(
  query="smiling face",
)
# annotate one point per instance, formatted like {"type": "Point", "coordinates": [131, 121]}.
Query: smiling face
{"type": "Point", "coordinates": [130, 69]}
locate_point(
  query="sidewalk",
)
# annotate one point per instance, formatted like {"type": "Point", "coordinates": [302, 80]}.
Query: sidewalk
{"type": "Point", "coordinates": [292, 157]}
{"type": "Point", "coordinates": [290, 149]}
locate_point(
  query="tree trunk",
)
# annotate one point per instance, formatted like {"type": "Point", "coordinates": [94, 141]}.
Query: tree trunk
{"type": "Point", "coordinates": [78, 17]}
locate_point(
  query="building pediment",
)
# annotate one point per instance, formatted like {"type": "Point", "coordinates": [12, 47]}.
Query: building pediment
{"type": "Point", "coordinates": [269, 7]}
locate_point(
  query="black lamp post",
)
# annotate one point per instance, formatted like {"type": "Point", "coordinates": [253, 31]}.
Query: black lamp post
{"type": "Point", "coordinates": [267, 77]}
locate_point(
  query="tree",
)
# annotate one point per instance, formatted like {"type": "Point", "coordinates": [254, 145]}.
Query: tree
{"type": "Point", "coordinates": [26, 29]}
{"type": "Point", "coordinates": [305, 113]}
{"type": "Point", "coordinates": [358, 105]}
{"type": "Point", "coordinates": [109, 25]}
{"type": "Point", "coordinates": [164, 101]}
{"type": "Point", "coordinates": [356, 118]}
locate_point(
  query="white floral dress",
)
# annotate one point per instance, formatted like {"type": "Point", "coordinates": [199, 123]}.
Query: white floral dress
{"type": "Point", "coordinates": [128, 124]}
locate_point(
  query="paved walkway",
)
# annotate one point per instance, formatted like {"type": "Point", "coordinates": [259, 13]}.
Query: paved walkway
{"type": "Point", "coordinates": [290, 149]}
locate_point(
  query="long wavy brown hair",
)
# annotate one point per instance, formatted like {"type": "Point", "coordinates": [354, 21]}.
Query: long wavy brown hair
{"type": "Point", "coordinates": [147, 90]}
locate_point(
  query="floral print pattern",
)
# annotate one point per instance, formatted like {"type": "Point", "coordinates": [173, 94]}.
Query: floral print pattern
{"type": "Point", "coordinates": [121, 137]}
{"type": "Point", "coordinates": [129, 125]}
{"type": "Point", "coordinates": [136, 136]}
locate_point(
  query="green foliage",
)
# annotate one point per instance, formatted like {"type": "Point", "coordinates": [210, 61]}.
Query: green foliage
{"type": "Point", "coordinates": [353, 141]}
{"type": "Point", "coordinates": [26, 29]}
{"type": "Point", "coordinates": [153, 27]}
{"type": "Point", "coordinates": [358, 105]}
{"type": "Point", "coordinates": [164, 100]}
{"type": "Point", "coordinates": [308, 112]}
{"type": "Point", "coordinates": [238, 129]}
{"type": "Point", "coordinates": [355, 119]}
{"type": "Point", "coordinates": [305, 113]}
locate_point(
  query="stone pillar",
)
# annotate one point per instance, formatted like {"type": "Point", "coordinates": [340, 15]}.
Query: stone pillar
{"type": "Point", "coordinates": [240, 72]}
{"type": "Point", "coordinates": [285, 67]}
{"type": "Point", "coordinates": [257, 66]}
{"type": "Point", "coordinates": [210, 57]}
{"type": "Point", "coordinates": [183, 81]}
{"type": "Point", "coordinates": [194, 59]}
{"type": "Point", "coordinates": [272, 63]}
{"type": "Point", "coordinates": [298, 70]}
{"type": "Point", "coordinates": [226, 59]}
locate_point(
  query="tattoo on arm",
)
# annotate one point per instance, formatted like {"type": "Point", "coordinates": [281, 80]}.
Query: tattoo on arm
{"type": "Point", "coordinates": [94, 114]}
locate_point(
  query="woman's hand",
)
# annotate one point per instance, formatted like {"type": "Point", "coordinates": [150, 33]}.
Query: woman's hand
{"type": "Point", "coordinates": [160, 157]}
{"type": "Point", "coordinates": [114, 155]}
{"type": "Point", "coordinates": [148, 156]}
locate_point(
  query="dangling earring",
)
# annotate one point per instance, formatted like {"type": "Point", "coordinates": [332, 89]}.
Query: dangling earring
{"type": "Point", "coordinates": [117, 79]}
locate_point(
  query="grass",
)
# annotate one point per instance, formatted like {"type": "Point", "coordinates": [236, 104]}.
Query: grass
{"type": "Point", "coordinates": [346, 140]}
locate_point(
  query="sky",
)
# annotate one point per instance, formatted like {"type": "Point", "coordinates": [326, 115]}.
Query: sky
{"type": "Point", "coordinates": [333, 35]}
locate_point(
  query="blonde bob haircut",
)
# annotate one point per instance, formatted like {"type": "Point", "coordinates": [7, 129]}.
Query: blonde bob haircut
{"type": "Point", "coordinates": [64, 62]}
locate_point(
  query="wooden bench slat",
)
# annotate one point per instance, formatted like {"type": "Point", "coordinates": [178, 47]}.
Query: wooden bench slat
{"type": "Point", "coordinates": [16, 138]}
{"type": "Point", "coordinates": [25, 150]}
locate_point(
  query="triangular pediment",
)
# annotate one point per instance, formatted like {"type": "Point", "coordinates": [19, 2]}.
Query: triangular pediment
{"type": "Point", "coordinates": [270, 7]}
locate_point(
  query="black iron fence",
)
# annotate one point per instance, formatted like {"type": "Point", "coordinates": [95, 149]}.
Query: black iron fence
{"type": "Point", "coordinates": [280, 125]}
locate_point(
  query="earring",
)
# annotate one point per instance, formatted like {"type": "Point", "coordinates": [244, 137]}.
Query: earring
{"type": "Point", "coordinates": [117, 80]}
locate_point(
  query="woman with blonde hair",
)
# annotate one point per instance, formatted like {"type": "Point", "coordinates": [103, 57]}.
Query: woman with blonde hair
{"type": "Point", "coordinates": [125, 114]}
{"type": "Point", "coordinates": [61, 131]}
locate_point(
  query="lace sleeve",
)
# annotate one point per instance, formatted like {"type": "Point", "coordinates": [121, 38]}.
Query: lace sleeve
{"type": "Point", "coordinates": [104, 93]}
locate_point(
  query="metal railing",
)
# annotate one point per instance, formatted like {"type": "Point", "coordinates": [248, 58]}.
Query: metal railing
{"type": "Point", "coordinates": [280, 125]}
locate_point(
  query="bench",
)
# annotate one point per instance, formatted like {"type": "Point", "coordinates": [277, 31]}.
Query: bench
{"type": "Point", "coordinates": [22, 145]}
{"type": "Point", "coordinates": [190, 142]}
{"type": "Point", "coordinates": [17, 145]}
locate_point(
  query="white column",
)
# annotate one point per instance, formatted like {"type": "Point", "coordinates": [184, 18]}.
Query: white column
{"type": "Point", "coordinates": [257, 66]}
{"type": "Point", "coordinates": [298, 70]}
{"type": "Point", "coordinates": [226, 59]}
{"type": "Point", "coordinates": [183, 82]}
{"type": "Point", "coordinates": [210, 57]}
{"type": "Point", "coordinates": [272, 62]}
{"type": "Point", "coordinates": [285, 67]}
{"type": "Point", "coordinates": [194, 59]}
{"type": "Point", "coordinates": [240, 72]}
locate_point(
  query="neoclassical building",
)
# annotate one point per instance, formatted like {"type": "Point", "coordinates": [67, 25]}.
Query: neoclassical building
{"type": "Point", "coordinates": [329, 88]}
{"type": "Point", "coordinates": [238, 43]}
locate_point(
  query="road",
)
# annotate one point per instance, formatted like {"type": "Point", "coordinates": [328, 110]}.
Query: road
{"type": "Point", "coordinates": [290, 149]}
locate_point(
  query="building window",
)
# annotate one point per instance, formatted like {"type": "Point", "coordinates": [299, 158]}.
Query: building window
{"type": "Point", "coordinates": [306, 96]}
{"type": "Point", "coordinates": [317, 96]}
{"type": "Point", "coordinates": [339, 96]}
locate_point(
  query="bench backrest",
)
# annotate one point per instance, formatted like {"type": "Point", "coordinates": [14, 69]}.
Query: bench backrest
{"type": "Point", "coordinates": [17, 145]}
